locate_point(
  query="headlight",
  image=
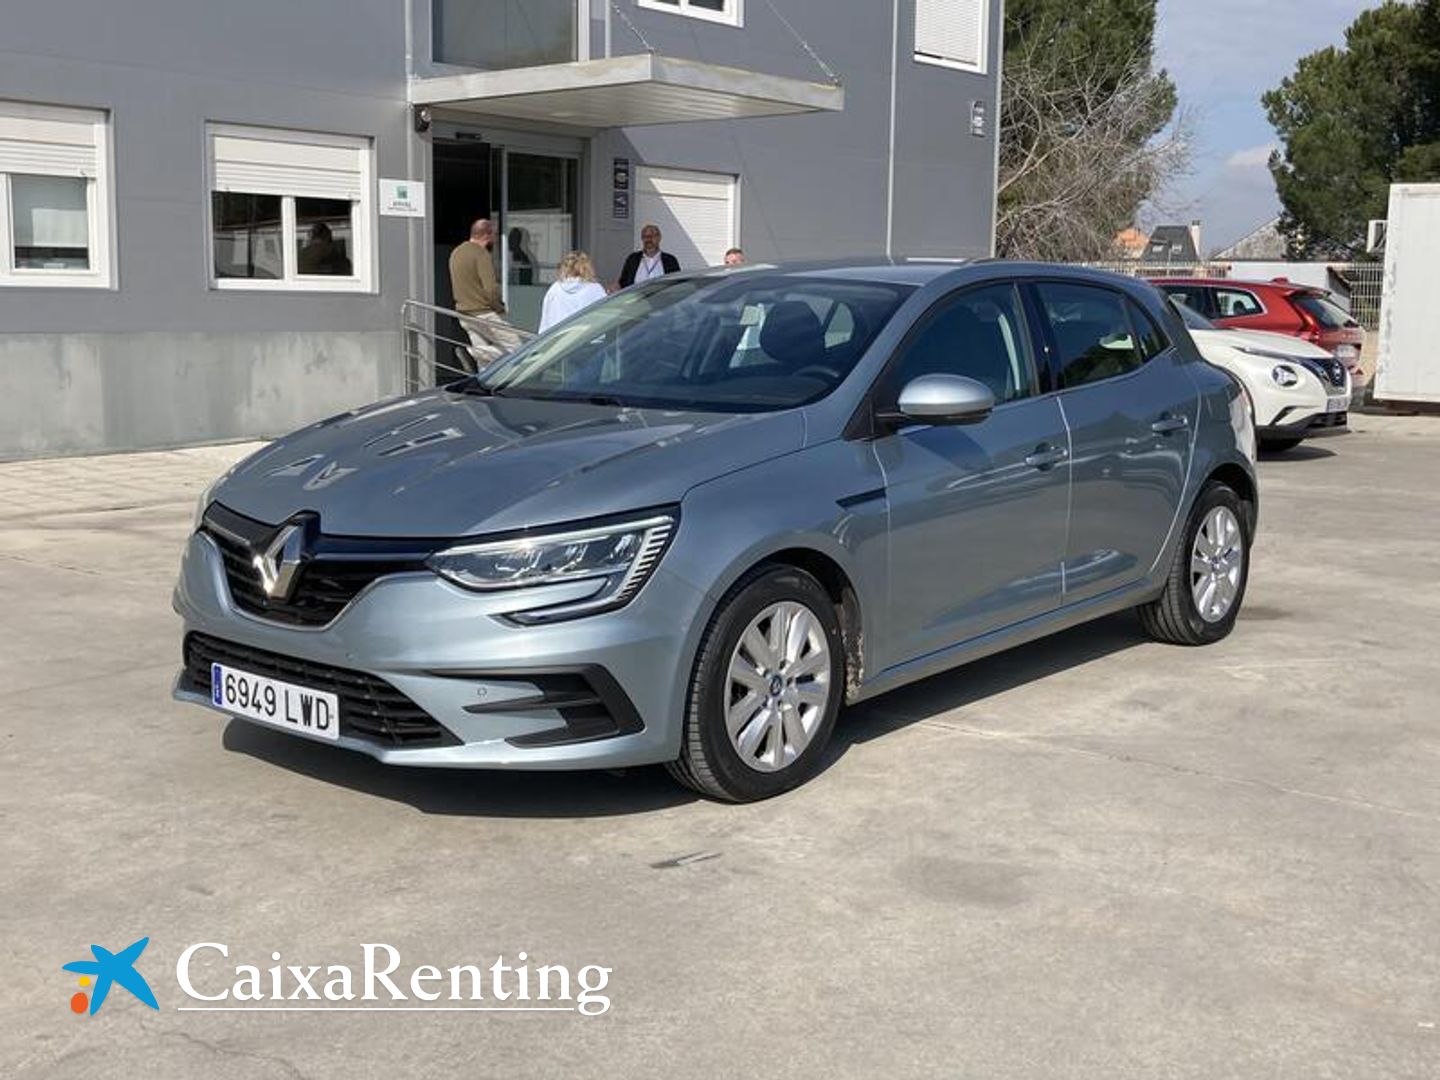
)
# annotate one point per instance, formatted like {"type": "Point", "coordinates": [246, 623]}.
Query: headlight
{"type": "Point", "coordinates": [1268, 354]}
{"type": "Point", "coordinates": [206, 497]}
{"type": "Point", "coordinates": [618, 558]}
{"type": "Point", "coordinates": [1285, 376]}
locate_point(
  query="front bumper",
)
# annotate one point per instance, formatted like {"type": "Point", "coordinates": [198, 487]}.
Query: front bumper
{"type": "Point", "coordinates": [1314, 426]}
{"type": "Point", "coordinates": [429, 676]}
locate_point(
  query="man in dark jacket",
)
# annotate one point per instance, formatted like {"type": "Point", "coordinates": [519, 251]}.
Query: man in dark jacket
{"type": "Point", "coordinates": [649, 262]}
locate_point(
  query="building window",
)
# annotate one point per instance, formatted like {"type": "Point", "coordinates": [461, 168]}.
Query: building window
{"type": "Point", "coordinates": [497, 34]}
{"type": "Point", "coordinates": [290, 210]}
{"type": "Point", "coordinates": [55, 200]}
{"type": "Point", "coordinates": [952, 33]}
{"type": "Point", "coordinates": [721, 11]}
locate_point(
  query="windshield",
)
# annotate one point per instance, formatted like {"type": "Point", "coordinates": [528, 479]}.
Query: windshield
{"type": "Point", "coordinates": [1193, 319]}
{"type": "Point", "coordinates": [750, 342]}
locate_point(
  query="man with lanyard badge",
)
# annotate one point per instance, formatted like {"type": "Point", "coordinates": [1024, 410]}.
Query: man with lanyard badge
{"type": "Point", "coordinates": [649, 262]}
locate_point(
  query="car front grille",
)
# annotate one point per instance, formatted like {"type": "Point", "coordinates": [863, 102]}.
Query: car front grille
{"type": "Point", "coordinates": [370, 708]}
{"type": "Point", "coordinates": [335, 571]}
{"type": "Point", "coordinates": [1329, 371]}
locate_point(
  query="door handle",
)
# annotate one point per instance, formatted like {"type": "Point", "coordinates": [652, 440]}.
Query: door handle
{"type": "Point", "coordinates": [1167, 425]}
{"type": "Point", "coordinates": [1046, 456]}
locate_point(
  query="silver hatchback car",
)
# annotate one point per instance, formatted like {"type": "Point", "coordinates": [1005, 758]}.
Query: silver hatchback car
{"type": "Point", "coordinates": [689, 524]}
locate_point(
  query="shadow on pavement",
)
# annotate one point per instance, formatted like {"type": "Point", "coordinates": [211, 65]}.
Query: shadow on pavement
{"type": "Point", "coordinates": [497, 793]}
{"type": "Point", "coordinates": [974, 682]}
{"type": "Point", "coordinates": [466, 792]}
{"type": "Point", "coordinates": [1303, 452]}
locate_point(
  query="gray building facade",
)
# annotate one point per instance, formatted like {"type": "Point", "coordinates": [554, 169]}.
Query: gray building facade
{"type": "Point", "coordinates": [212, 213]}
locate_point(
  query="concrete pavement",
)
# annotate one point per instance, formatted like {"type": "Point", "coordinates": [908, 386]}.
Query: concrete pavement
{"type": "Point", "coordinates": [1091, 857]}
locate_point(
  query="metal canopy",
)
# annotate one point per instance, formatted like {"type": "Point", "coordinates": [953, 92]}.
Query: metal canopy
{"type": "Point", "coordinates": [627, 91]}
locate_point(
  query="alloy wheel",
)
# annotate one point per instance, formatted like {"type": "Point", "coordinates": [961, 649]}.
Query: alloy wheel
{"type": "Point", "coordinates": [778, 686]}
{"type": "Point", "coordinates": [1216, 564]}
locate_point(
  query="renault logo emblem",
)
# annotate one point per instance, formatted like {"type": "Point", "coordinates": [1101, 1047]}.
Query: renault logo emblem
{"type": "Point", "coordinates": [280, 562]}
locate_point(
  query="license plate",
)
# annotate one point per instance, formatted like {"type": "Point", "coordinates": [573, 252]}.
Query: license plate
{"type": "Point", "coordinates": [1337, 404]}
{"type": "Point", "coordinates": [270, 701]}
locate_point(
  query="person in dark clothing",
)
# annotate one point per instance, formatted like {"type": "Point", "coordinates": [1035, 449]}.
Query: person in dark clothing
{"type": "Point", "coordinates": [522, 267]}
{"type": "Point", "coordinates": [649, 262]}
{"type": "Point", "coordinates": [321, 254]}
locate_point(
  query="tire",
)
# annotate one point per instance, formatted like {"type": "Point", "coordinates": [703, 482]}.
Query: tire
{"type": "Point", "coordinates": [1276, 446]}
{"type": "Point", "coordinates": [1175, 616]}
{"type": "Point", "coordinates": [780, 740]}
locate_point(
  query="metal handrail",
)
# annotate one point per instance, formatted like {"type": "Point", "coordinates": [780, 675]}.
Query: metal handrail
{"type": "Point", "coordinates": [433, 357]}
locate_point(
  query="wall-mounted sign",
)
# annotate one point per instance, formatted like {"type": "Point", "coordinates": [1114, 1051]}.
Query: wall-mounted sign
{"type": "Point", "coordinates": [620, 182]}
{"type": "Point", "coordinates": [402, 198]}
{"type": "Point", "coordinates": [977, 118]}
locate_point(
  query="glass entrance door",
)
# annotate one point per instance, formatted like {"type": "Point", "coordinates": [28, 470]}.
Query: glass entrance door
{"type": "Point", "coordinates": [540, 198]}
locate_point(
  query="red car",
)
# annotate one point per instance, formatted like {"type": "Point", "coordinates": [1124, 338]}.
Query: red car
{"type": "Point", "coordinates": [1280, 306]}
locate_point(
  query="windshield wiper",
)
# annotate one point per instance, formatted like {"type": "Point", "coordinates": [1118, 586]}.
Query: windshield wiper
{"type": "Point", "coordinates": [477, 388]}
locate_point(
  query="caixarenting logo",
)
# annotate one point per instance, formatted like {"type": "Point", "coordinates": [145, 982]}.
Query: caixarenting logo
{"type": "Point", "coordinates": [376, 984]}
{"type": "Point", "coordinates": [105, 971]}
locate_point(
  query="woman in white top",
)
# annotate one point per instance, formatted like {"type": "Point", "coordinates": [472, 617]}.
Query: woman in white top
{"type": "Point", "coordinates": [574, 290]}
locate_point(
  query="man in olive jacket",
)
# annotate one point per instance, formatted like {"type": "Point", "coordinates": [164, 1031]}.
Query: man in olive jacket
{"type": "Point", "coordinates": [476, 289]}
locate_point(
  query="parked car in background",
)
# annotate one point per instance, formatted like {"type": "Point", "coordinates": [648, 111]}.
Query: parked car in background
{"type": "Point", "coordinates": [638, 540]}
{"type": "Point", "coordinates": [1297, 390]}
{"type": "Point", "coordinates": [1280, 307]}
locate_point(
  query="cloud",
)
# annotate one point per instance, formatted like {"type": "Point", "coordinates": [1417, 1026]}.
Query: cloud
{"type": "Point", "coordinates": [1254, 157]}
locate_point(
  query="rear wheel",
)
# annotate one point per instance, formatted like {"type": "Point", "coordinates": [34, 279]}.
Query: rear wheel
{"type": "Point", "coordinates": [1207, 580]}
{"type": "Point", "coordinates": [765, 690]}
{"type": "Point", "coordinates": [1276, 446]}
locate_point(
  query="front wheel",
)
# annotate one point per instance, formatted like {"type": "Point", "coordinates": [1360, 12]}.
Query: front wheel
{"type": "Point", "coordinates": [1207, 580]}
{"type": "Point", "coordinates": [765, 690]}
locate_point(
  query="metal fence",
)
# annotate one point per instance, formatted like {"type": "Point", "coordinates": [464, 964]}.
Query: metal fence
{"type": "Point", "coordinates": [437, 347]}
{"type": "Point", "coordinates": [1356, 286]}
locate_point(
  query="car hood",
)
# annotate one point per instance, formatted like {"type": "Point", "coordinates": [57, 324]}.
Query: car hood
{"type": "Point", "coordinates": [1263, 339]}
{"type": "Point", "coordinates": [444, 464]}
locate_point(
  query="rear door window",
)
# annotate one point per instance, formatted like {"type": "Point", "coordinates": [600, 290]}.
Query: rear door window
{"type": "Point", "coordinates": [1149, 338]}
{"type": "Point", "coordinates": [1196, 297]}
{"type": "Point", "coordinates": [1237, 304]}
{"type": "Point", "coordinates": [1091, 331]}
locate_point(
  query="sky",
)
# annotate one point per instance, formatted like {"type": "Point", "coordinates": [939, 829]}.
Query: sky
{"type": "Point", "coordinates": [1223, 54]}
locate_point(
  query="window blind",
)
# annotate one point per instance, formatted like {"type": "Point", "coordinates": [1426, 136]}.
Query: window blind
{"type": "Point", "coordinates": [263, 166]}
{"type": "Point", "coordinates": [43, 141]}
{"type": "Point", "coordinates": [951, 30]}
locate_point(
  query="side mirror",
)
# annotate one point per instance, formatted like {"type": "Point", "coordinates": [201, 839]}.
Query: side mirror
{"type": "Point", "coordinates": [945, 399]}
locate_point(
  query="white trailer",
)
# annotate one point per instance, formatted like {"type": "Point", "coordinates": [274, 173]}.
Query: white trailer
{"type": "Point", "coordinates": [1409, 362]}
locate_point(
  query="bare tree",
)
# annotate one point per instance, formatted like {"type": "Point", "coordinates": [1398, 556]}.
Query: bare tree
{"type": "Point", "coordinates": [1085, 140]}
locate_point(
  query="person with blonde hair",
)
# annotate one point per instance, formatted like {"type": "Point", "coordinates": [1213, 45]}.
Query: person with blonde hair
{"type": "Point", "coordinates": [574, 290]}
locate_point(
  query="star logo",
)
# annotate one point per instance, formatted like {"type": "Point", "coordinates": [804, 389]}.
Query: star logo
{"type": "Point", "coordinates": [106, 970]}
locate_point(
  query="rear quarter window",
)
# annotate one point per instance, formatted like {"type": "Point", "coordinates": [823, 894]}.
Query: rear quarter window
{"type": "Point", "coordinates": [1324, 311]}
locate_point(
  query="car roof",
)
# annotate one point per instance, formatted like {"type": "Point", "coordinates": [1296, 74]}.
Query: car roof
{"type": "Point", "coordinates": [1248, 283]}
{"type": "Point", "coordinates": [916, 270]}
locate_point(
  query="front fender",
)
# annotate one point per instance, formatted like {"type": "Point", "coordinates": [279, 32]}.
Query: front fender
{"type": "Point", "coordinates": [825, 500]}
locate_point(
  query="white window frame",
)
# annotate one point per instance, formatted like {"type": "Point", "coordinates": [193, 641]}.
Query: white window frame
{"type": "Point", "coordinates": [733, 15]}
{"type": "Point", "coordinates": [99, 204]}
{"type": "Point", "coordinates": [362, 216]}
{"type": "Point", "coordinates": [981, 67]}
